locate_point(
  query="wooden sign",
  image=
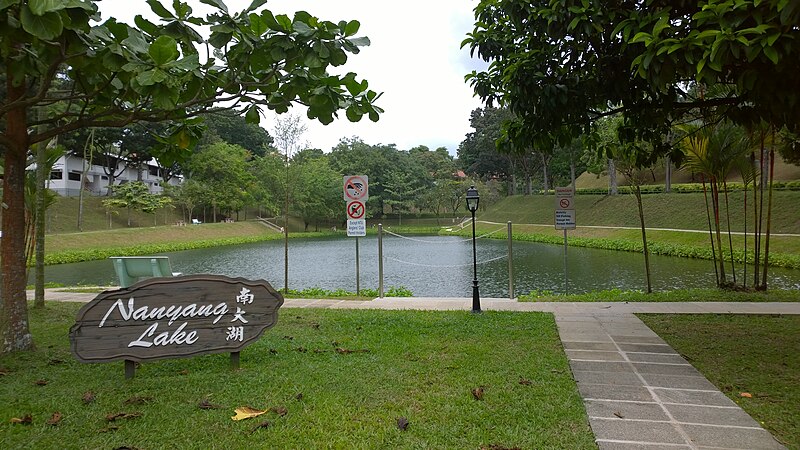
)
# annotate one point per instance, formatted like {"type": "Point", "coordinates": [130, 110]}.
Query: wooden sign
{"type": "Point", "coordinates": [174, 317]}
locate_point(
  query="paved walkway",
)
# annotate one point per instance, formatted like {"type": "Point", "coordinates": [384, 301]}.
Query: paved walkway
{"type": "Point", "coordinates": [638, 391]}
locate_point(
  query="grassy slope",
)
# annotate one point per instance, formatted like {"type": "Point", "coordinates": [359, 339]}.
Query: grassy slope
{"type": "Point", "coordinates": [418, 365]}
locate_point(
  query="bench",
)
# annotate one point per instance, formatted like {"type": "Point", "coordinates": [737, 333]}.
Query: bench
{"type": "Point", "coordinates": [130, 268]}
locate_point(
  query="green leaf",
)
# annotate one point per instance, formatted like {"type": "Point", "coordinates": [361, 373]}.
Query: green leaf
{"type": "Point", "coordinates": [360, 41]}
{"type": "Point", "coordinates": [255, 5]}
{"type": "Point", "coordinates": [146, 78]}
{"type": "Point", "coordinates": [257, 24]}
{"type": "Point", "coordinates": [40, 7]}
{"type": "Point", "coordinates": [253, 115]}
{"type": "Point", "coordinates": [6, 3]}
{"type": "Point", "coordinates": [303, 29]}
{"type": "Point", "coordinates": [163, 50]}
{"type": "Point", "coordinates": [159, 9]}
{"type": "Point", "coordinates": [46, 27]}
{"type": "Point", "coordinates": [642, 36]}
{"type": "Point", "coordinates": [216, 3]}
{"type": "Point", "coordinates": [772, 54]}
{"type": "Point", "coordinates": [135, 41]}
{"type": "Point", "coordinates": [146, 26]}
{"type": "Point", "coordinates": [352, 28]}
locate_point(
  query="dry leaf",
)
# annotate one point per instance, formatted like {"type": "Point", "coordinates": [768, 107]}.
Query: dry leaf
{"type": "Point", "coordinates": [40, 382]}
{"type": "Point", "coordinates": [108, 428]}
{"type": "Point", "coordinates": [122, 415]}
{"type": "Point", "coordinates": [302, 349]}
{"type": "Point", "coordinates": [315, 326]}
{"type": "Point", "coordinates": [183, 372]}
{"type": "Point", "coordinates": [4, 371]}
{"type": "Point", "coordinates": [344, 351]}
{"type": "Point", "coordinates": [27, 419]}
{"type": "Point", "coordinates": [746, 395]}
{"type": "Point", "coordinates": [498, 447]}
{"type": "Point", "coordinates": [55, 362]}
{"type": "Point", "coordinates": [88, 397]}
{"type": "Point", "coordinates": [478, 393]}
{"type": "Point", "coordinates": [279, 410]}
{"type": "Point", "coordinates": [246, 412]}
{"type": "Point", "coordinates": [125, 447]}
{"type": "Point", "coordinates": [205, 404]}
{"type": "Point", "coordinates": [273, 351]}
{"type": "Point", "coordinates": [264, 424]}
{"type": "Point", "coordinates": [136, 400]}
{"type": "Point", "coordinates": [54, 419]}
{"type": "Point", "coordinates": [299, 396]}
{"type": "Point", "coordinates": [288, 338]}
{"type": "Point", "coordinates": [525, 382]}
{"type": "Point", "coordinates": [402, 423]}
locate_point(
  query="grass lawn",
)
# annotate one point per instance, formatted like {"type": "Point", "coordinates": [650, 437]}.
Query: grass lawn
{"type": "Point", "coordinates": [417, 366]}
{"type": "Point", "coordinates": [757, 355]}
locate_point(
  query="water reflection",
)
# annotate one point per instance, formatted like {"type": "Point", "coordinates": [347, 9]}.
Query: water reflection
{"type": "Point", "coordinates": [433, 266]}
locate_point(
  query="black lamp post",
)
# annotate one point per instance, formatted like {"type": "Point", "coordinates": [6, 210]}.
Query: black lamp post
{"type": "Point", "coordinates": [472, 205]}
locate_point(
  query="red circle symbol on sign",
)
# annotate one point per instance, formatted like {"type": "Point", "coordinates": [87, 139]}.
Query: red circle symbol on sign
{"type": "Point", "coordinates": [564, 203]}
{"type": "Point", "coordinates": [355, 210]}
{"type": "Point", "coordinates": [355, 188]}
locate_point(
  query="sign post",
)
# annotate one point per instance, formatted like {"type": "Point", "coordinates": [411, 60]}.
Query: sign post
{"type": "Point", "coordinates": [355, 189]}
{"type": "Point", "coordinates": [565, 220]}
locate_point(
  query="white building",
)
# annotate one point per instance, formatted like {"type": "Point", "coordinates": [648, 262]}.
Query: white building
{"type": "Point", "coordinates": [65, 178]}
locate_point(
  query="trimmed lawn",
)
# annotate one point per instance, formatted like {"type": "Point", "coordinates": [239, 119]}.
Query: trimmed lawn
{"type": "Point", "coordinates": [421, 367]}
{"type": "Point", "coordinates": [756, 355]}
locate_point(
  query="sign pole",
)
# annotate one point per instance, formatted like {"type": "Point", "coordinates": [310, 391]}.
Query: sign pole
{"type": "Point", "coordinates": [358, 280]}
{"type": "Point", "coordinates": [510, 264]}
{"type": "Point", "coordinates": [566, 286]}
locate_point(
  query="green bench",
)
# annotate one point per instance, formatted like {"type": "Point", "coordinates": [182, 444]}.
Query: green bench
{"type": "Point", "coordinates": [130, 269]}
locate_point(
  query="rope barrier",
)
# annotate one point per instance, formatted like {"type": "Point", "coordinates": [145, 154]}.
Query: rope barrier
{"type": "Point", "coordinates": [450, 241]}
{"type": "Point", "coordinates": [444, 266]}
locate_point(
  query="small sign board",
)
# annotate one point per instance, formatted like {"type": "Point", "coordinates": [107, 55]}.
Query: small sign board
{"type": "Point", "coordinates": [565, 198]}
{"type": "Point", "coordinates": [356, 227]}
{"type": "Point", "coordinates": [565, 219]}
{"type": "Point", "coordinates": [174, 317]}
{"type": "Point", "coordinates": [356, 187]}
{"type": "Point", "coordinates": [355, 209]}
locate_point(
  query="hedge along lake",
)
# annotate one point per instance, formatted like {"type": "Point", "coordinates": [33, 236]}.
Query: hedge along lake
{"type": "Point", "coordinates": [430, 266]}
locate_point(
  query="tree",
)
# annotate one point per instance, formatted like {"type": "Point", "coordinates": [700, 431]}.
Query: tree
{"type": "Point", "coordinates": [559, 69]}
{"type": "Point", "coordinates": [477, 153]}
{"type": "Point", "coordinates": [234, 129]}
{"type": "Point", "coordinates": [222, 171]}
{"type": "Point", "coordinates": [318, 194]}
{"type": "Point", "coordinates": [134, 195]}
{"type": "Point", "coordinates": [112, 74]}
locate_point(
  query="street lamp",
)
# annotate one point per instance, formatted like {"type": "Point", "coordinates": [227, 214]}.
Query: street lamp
{"type": "Point", "coordinates": [472, 205]}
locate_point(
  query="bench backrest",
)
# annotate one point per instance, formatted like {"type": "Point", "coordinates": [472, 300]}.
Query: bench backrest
{"type": "Point", "coordinates": [130, 268]}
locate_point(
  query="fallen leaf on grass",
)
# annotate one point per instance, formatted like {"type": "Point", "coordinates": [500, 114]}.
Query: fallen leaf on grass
{"type": "Point", "coordinates": [246, 412]}
{"type": "Point", "coordinates": [273, 351]}
{"type": "Point", "coordinates": [279, 410]}
{"type": "Point", "coordinates": [27, 419]}
{"type": "Point", "coordinates": [264, 424]}
{"type": "Point", "coordinates": [125, 447]}
{"type": "Point", "coordinates": [288, 338]}
{"type": "Point", "coordinates": [299, 396]}
{"type": "Point", "coordinates": [4, 371]}
{"type": "Point", "coordinates": [498, 447]}
{"type": "Point", "coordinates": [108, 429]}
{"type": "Point", "coordinates": [402, 423]}
{"type": "Point", "coordinates": [315, 326]}
{"type": "Point", "coordinates": [183, 372]}
{"type": "Point", "coordinates": [136, 400]}
{"type": "Point", "coordinates": [478, 393]}
{"type": "Point", "coordinates": [122, 415]}
{"type": "Point", "coordinates": [345, 351]}
{"type": "Point", "coordinates": [54, 419]}
{"type": "Point", "coordinates": [55, 362]}
{"type": "Point", "coordinates": [746, 395]}
{"type": "Point", "coordinates": [88, 397]}
{"type": "Point", "coordinates": [205, 404]}
{"type": "Point", "coordinates": [525, 382]}
{"type": "Point", "coordinates": [40, 382]}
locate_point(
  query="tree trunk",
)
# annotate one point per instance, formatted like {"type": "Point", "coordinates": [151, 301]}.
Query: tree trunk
{"type": "Point", "coordinates": [668, 174]}
{"type": "Point", "coordinates": [544, 173]}
{"type": "Point", "coordinates": [718, 230]}
{"type": "Point", "coordinates": [39, 217]}
{"type": "Point", "coordinates": [612, 177]}
{"type": "Point", "coordinates": [572, 173]}
{"type": "Point", "coordinates": [769, 216]}
{"type": "Point", "coordinates": [728, 225]}
{"type": "Point", "coordinates": [14, 330]}
{"type": "Point", "coordinates": [710, 232]}
{"type": "Point", "coordinates": [638, 192]}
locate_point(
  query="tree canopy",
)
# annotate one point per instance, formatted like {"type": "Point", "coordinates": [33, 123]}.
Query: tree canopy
{"type": "Point", "coordinates": [57, 61]}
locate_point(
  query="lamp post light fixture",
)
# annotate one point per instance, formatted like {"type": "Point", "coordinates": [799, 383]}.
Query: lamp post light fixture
{"type": "Point", "coordinates": [472, 205]}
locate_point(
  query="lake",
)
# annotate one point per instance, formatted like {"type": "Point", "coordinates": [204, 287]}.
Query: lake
{"type": "Point", "coordinates": [430, 266]}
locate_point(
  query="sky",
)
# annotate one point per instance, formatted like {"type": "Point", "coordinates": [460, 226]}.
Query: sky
{"type": "Point", "coordinates": [414, 59]}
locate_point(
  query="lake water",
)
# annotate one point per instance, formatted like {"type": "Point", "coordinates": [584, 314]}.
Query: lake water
{"type": "Point", "coordinates": [434, 266]}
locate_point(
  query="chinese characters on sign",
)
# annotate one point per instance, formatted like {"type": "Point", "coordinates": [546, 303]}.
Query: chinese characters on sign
{"type": "Point", "coordinates": [174, 317]}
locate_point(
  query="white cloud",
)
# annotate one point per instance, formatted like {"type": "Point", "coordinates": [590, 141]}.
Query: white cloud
{"type": "Point", "coordinates": [414, 59]}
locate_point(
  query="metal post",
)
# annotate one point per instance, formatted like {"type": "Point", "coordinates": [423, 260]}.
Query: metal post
{"type": "Point", "coordinates": [234, 360]}
{"type": "Point", "coordinates": [566, 286]}
{"type": "Point", "coordinates": [130, 369]}
{"type": "Point", "coordinates": [358, 279]}
{"type": "Point", "coordinates": [380, 260]}
{"type": "Point", "coordinates": [476, 299]}
{"type": "Point", "coordinates": [510, 264]}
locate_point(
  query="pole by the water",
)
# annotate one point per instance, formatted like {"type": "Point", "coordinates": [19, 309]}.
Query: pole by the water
{"type": "Point", "coordinates": [566, 286]}
{"type": "Point", "coordinates": [358, 279]}
{"type": "Point", "coordinates": [380, 260]}
{"type": "Point", "coordinates": [510, 265]}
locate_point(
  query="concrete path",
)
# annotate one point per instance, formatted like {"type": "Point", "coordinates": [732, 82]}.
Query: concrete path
{"type": "Point", "coordinates": [638, 391]}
